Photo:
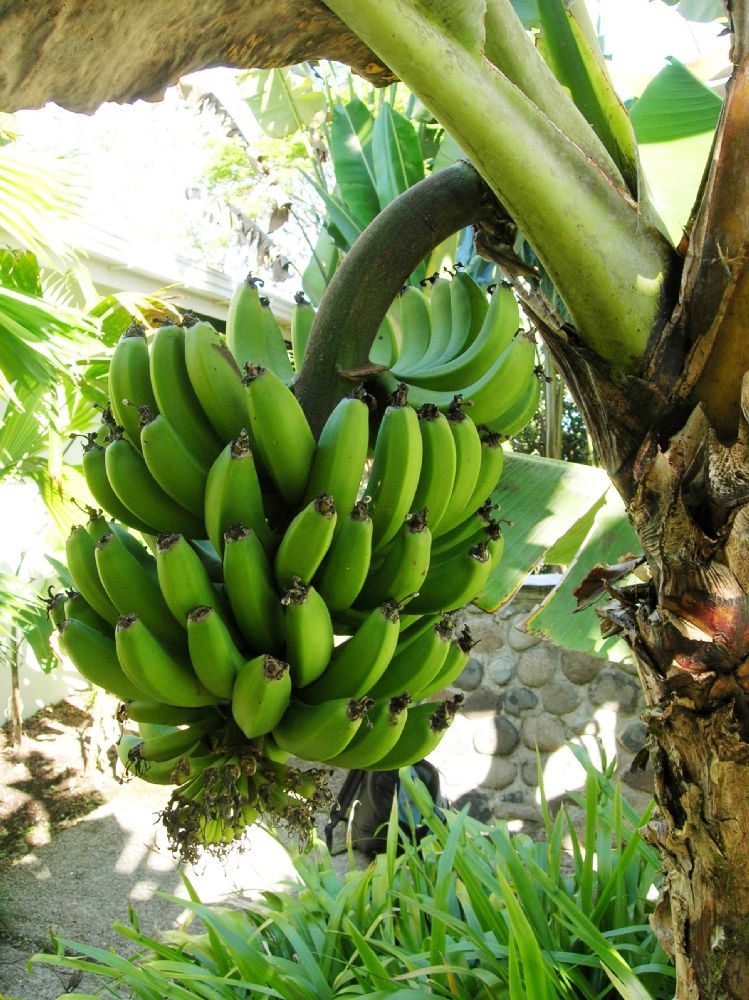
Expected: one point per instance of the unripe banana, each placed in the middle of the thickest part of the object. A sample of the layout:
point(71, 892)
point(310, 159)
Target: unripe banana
point(466, 533)
point(319, 732)
point(80, 553)
point(454, 665)
point(248, 576)
point(308, 631)
point(404, 566)
point(142, 709)
point(359, 662)
point(130, 381)
point(455, 582)
point(216, 380)
point(261, 695)
point(75, 605)
point(95, 474)
point(178, 742)
point(175, 396)
point(233, 495)
point(97, 526)
point(425, 726)
point(467, 466)
point(468, 307)
point(276, 352)
point(56, 606)
point(415, 324)
point(514, 418)
point(305, 542)
point(133, 590)
point(152, 668)
point(175, 771)
point(172, 462)
point(395, 469)
point(387, 720)
point(184, 580)
point(438, 464)
point(252, 334)
point(441, 318)
point(413, 667)
point(140, 493)
point(214, 655)
point(492, 462)
point(282, 436)
point(302, 318)
point(338, 462)
point(344, 569)
point(95, 658)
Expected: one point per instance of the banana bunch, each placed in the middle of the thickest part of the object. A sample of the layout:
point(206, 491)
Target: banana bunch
point(252, 593)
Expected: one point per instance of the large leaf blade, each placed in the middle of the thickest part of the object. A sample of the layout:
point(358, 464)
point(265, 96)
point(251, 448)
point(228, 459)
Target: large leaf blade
point(351, 131)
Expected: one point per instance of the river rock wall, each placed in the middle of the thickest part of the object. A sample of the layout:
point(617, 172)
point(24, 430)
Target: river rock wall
point(524, 694)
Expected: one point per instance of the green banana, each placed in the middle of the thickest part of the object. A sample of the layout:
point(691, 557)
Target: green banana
point(308, 632)
point(216, 380)
point(213, 652)
point(177, 770)
point(491, 395)
point(340, 454)
point(466, 533)
point(248, 576)
point(344, 569)
point(305, 542)
point(492, 462)
point(441, 326)
point(438, 463)
point(415, 322)
point(500, 323)
point(302, 318)
point(249, 336)
point(385, 346)
point(404, 565)
point(134, 590)
point(56, 606)
point(515, 418)
point(455, 582)
point(95, 474)
point(80, 555)
point(76, 606)
point(454, 665)
point(130, 381)
point(276, 351)
point(172, 462)
point(387, 719)
point(139, 491)
point(319, 732)
point(468, 307)
point(358, 663)
point(156, 671)
point(184, 580)
point(425, 726)
point(175, 396)
point(282, 436)
point(142, 709)
point(395, 469)
point(233, 495)
point(165, 746)
point(413, 667)
point(95, 658)
point(262, 691)
point(467, 465)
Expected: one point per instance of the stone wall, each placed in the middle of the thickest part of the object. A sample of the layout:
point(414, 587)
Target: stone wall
point(521, 693)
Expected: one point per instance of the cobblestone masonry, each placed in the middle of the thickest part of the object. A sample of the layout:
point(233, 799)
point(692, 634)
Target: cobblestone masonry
point(523, 693)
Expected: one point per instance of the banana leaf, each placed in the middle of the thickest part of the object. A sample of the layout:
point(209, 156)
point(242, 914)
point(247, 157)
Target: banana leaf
point(674, 121)
point(351, 131)
point(282, 102)
point(610, 538)
point(543, 499)
point(396, 153)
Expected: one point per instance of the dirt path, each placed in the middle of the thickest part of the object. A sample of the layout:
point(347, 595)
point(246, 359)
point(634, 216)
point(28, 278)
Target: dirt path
point(77, 849)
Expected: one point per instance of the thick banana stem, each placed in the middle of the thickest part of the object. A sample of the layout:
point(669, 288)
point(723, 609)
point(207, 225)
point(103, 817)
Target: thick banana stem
point(374, 270)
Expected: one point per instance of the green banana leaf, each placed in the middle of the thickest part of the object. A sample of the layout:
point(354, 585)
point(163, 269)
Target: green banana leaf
point(674, 121)
point(544, 499)
point(576, 62)
point(701, 10)
point(321, 267)
point(282, 101)
point(610, 538)
point(351, 129)
point(396, 154)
